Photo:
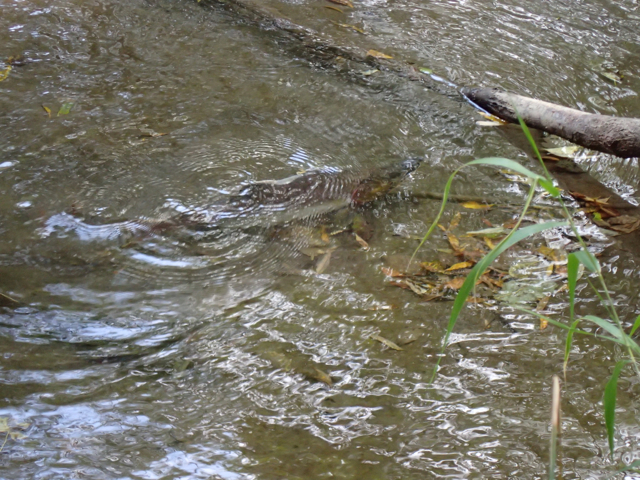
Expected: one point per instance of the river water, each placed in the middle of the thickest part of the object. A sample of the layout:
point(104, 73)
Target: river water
point(166, 358)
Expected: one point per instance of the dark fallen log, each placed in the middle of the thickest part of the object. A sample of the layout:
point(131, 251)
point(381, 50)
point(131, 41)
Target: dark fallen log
point(615, 135)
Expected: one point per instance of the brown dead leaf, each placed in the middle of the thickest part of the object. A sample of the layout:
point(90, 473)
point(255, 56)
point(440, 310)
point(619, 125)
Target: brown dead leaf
point(542, 303)
point(375, 53)
point(477, 300)
point(455, 283)
point(509, 224)
point(487, 223)
point(324, 236)
point(561, 270)
point(543, 323)
point(390, 272)
point(624, 223)
point(459, 266)
point(476, 205)
point(320, 376)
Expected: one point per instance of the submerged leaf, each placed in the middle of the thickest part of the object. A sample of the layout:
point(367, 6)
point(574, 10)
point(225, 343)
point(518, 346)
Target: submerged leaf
point(5, 73)
point(366, 73)
point(65, 108)
point(346, 3)
point(455, 221)
point(489, 232)
point(567, 152)
point(324, 261)
point(361, 241)
point(476, 205)
point(330, 7)
point(353, 27)
point(318, 375)
point(376, 54)
point(425, 70)
point(386, 342)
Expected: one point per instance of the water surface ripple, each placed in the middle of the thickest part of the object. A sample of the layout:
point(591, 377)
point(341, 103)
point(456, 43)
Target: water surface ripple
point(205, 353)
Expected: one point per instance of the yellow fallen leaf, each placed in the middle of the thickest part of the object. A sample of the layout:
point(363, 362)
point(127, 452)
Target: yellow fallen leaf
point(376, 54)
point(47, 109)
point(493, 118)
point(333, 8)
point(543, 323)
point(433, 267)
point(5, 73)
point(489, 243)
point(454, 242)
point(459, 266)
point(386, 342)
point(476, 205)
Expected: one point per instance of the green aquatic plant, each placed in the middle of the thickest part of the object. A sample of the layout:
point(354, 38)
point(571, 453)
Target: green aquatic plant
point(612, 327)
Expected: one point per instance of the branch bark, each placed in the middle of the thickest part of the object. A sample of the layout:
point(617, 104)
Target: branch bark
point(615, 135)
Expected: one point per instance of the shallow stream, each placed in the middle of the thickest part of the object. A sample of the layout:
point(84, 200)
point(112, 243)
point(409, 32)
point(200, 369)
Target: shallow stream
point(161, 358)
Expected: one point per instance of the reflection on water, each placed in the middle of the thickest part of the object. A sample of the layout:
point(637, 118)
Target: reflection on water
point(229, 353)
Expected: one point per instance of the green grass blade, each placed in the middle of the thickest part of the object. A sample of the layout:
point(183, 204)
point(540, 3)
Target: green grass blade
point(434, 224)
point(567, 347)
point(632, 466)
point(482, 265)
point(493, 161)
point(509, 164)
point(527, 133)
point(572, 279)
point(588, 260)
point(609, 402)
point(636, 324)
point(605, 325)
point(555, 426)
